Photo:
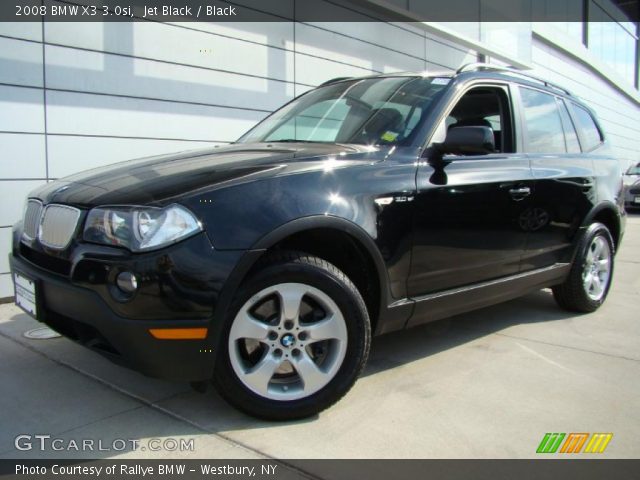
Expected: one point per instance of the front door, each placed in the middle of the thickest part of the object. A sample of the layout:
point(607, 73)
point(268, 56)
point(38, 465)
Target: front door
point(468, 215)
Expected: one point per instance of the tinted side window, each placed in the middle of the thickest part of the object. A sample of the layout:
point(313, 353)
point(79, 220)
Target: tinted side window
point(542, 122)
point(589, 132)
point(570, 136)
point(485, 106)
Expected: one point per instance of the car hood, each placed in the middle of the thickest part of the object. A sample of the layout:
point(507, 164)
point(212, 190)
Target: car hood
point(165, 178)
point(629, 180)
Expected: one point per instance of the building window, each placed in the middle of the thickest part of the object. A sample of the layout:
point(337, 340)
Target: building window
point(565, 15)
point(614, 42)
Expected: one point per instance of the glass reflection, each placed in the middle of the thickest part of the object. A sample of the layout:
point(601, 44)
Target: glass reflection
point(613, 42)
point(543, 124)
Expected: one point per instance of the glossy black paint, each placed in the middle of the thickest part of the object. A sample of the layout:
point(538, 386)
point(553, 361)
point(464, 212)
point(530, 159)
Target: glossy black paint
point(180, 281)
point(83, 315)
point(439, 233)
point(467, 230)
point(562, 196)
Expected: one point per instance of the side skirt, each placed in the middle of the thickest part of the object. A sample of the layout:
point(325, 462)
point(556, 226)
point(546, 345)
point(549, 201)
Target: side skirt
point(459, 300)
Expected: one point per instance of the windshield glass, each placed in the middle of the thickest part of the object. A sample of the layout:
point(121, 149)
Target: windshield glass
point(375, 111)
point(634, 170)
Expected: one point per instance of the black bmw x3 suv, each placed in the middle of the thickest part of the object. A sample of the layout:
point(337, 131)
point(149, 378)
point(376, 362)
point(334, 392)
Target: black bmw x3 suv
point(364, 206)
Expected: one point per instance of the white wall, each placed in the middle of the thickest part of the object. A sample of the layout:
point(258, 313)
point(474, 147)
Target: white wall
point(75, 96)
point(618, 114)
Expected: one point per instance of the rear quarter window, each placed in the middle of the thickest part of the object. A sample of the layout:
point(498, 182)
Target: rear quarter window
point(590, 135)
point(542, 121)
point(570, 135)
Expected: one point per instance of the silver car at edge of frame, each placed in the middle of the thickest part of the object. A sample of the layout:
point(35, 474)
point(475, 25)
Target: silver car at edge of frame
point(631, 181)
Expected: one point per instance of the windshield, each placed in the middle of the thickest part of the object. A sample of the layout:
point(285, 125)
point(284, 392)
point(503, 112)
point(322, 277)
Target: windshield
point(634, 170)
point(374, 111)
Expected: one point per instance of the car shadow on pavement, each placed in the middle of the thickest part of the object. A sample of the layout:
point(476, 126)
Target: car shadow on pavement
point(157, 409)
point(395, 349)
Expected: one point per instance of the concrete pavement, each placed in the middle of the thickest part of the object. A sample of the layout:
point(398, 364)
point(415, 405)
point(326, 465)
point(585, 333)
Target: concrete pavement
point(487, 384)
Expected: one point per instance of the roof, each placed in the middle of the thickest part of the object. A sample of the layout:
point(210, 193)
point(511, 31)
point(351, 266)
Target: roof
point(470, 68)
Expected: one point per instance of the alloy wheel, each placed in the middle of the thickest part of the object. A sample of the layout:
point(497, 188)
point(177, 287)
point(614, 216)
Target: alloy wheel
point(596, 272)
point(287, 341)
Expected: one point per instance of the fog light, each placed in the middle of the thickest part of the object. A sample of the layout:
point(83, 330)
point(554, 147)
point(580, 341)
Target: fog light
point(127, 282)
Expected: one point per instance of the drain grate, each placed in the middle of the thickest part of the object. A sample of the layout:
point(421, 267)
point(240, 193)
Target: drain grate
point(42, 333)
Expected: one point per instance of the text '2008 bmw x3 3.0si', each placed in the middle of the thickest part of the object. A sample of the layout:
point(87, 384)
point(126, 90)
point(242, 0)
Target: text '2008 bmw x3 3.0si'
point(364, 206)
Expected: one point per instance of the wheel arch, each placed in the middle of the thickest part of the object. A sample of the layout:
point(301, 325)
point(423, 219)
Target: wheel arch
point(608, 214)
point(285, 235)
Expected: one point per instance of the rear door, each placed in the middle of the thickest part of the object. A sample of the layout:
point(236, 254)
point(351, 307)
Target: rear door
point(467, 214)
point(564, 179)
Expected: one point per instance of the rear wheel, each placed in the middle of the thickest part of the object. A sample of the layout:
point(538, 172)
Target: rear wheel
point(589, 280)
point(296, 339)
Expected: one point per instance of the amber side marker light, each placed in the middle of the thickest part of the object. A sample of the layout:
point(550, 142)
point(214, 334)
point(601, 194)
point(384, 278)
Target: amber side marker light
point(179, 333)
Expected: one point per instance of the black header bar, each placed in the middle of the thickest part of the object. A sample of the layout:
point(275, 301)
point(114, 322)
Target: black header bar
point(584, 469)
point(310, 10)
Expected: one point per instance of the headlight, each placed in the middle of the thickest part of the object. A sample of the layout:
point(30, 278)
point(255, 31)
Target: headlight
point(140, 228)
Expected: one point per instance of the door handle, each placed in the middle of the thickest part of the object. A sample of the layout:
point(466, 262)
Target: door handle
point(520, 192)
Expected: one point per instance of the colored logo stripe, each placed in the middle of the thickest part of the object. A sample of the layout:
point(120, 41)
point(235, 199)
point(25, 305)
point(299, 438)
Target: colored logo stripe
point(574, 442)
point(598, 442)
point(550, 443)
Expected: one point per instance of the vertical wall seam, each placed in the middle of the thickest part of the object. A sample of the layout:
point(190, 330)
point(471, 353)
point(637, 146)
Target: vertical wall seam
point(44, 103)
point(295, 88)
point(424, 48)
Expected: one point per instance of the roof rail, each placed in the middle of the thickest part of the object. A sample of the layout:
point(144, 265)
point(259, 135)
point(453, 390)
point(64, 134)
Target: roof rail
point(334, 80)
point(514, 71)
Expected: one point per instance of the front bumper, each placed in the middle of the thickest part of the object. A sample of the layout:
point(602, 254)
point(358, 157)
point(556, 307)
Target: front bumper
point(629, 198)
point(180, 288)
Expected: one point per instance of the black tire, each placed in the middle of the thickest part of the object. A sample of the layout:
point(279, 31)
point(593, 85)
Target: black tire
point(571, 294)
point(284, 267)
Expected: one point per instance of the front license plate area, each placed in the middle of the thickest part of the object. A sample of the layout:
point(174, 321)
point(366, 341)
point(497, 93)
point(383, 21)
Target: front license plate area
point(636, 200)
point(26, 294)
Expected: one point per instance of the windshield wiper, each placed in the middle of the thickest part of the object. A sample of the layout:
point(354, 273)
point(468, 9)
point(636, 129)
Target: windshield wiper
point(293, 140)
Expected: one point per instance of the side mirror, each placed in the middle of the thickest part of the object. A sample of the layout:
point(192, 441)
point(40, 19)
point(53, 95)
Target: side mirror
point(468, 141)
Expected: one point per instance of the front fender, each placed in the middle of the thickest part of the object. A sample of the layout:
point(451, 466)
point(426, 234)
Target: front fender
point(251, 256)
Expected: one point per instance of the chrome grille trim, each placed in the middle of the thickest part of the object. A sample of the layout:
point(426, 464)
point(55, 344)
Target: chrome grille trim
point(58, 224)
point(32, 219)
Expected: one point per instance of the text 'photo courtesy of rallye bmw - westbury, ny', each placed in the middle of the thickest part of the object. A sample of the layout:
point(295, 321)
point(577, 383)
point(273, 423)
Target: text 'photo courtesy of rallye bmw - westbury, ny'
point(170, 470)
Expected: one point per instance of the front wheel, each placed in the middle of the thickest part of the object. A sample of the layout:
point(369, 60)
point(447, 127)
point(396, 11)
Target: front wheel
point(589, 280)
point(296, 340)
